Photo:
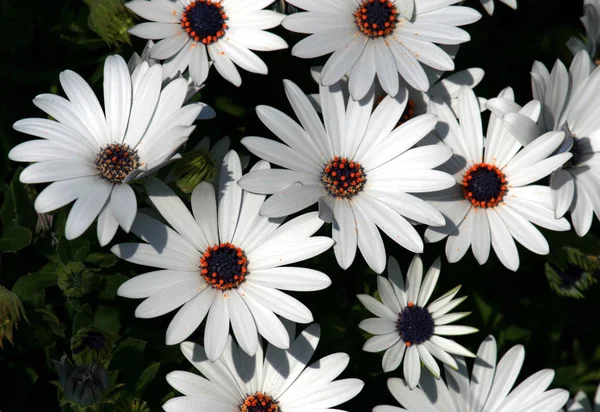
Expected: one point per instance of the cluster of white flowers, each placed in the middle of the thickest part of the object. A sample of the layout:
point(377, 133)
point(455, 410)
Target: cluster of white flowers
point(386, 144)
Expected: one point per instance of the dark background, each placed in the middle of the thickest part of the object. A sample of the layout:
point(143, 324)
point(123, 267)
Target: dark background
point(42, 37)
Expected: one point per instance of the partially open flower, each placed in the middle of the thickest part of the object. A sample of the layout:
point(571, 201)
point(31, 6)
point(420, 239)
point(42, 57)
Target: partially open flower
point(84, 384)
point(571, 272)
point(11, 310)
point(91, 345)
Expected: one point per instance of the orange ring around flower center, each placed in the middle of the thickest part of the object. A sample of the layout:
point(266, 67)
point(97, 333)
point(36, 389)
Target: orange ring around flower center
point(484, 185)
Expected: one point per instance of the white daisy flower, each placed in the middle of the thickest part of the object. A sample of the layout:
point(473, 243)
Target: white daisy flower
point(379, 37)
point(406, 328)
point(488, 5)
point(571, 103)
point(493, 200)
point(92, 157)
point(445, 89)
point(223, 30)
point(591, 22)
point(224, 261)
point(357, 167)
point(581, 403)
point(274, 380)
point(488, 389)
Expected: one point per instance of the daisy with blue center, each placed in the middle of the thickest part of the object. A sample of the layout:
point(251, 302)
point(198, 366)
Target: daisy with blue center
point(387, 39)
point(409, 329)
point(195, 33)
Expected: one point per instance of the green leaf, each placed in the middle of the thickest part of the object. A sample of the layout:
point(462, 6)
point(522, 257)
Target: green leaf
point(15, 238)
point(129, 350)
point(23, 205)
point(111, 284)
point(105, 260)
point(228, 105)
point(30, 288)
point(82, 319)
point(108, 319)
point(146, 377)
point(127, 357)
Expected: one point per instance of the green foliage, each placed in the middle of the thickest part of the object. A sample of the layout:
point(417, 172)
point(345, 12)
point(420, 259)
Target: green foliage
point(17, 216)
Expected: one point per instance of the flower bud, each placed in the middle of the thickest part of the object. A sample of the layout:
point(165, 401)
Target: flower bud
point(194, 168)
point(11, 310)
point(110, 20)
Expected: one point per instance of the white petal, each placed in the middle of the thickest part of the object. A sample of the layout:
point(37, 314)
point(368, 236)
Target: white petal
point(523, 231)
point(175, 212)
point(196, 403)
point(86, 209)
point(230, 196)
point(291, 200)
point(502, 241)
point(243, 57)
point(148, 284)
point(170, 298)
point(204, 208)
point(143, 105)
point(429, 283)
point(369, 240)
point(268, 325)
point(257, 39)
point(412, 366)
point(242, 323)
point(190, 316)
point(377, 308)
point(156, 11)
point(280, 303)
point(377, 326)
point(224, 65)
point(58, 169)
point(392, 224)
point(217, 328)
point(107, 226)
point(83, 98)
point(123, 205)
point(563, 192)
point(155, 31)
point(117, 96)
point(147, 255)
point(408, 66)
point(381, 342)
point(291, 134)
point(393, 357)
point(342, 60)
point(279, 154)
point(290, 278)
point(321, 397)
point(61, 193)
point(387, 72)
point(344, 234)
point(480, 236)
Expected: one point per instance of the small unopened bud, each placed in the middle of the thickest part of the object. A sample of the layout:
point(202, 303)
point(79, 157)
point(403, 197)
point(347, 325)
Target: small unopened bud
point(75, 280)
point(194, 168)
point(110, 20)
point(91, 345)
point(44, 223)
point(11, 310)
